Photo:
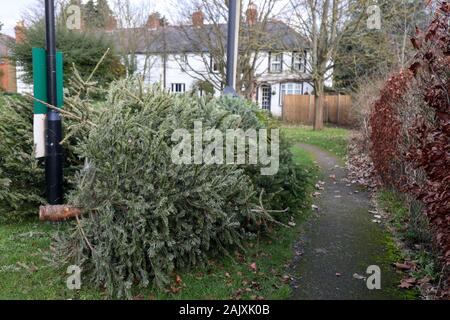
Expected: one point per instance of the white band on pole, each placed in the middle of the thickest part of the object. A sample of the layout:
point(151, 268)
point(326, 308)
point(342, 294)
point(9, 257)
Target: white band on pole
point(39, 126)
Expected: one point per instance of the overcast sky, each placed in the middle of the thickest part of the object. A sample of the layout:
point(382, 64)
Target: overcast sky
point(13, 10)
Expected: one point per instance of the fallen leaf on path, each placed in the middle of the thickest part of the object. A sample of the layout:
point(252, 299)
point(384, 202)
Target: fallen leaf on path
point(359, 277)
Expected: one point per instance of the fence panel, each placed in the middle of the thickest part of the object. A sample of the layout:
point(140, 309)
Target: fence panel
point(300, 109)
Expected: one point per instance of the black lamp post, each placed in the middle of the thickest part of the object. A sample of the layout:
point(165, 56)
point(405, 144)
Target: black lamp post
point(234, 16)
point(54, 158)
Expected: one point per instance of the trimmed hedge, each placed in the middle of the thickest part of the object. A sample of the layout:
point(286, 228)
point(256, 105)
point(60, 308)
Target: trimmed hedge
point(410, 128)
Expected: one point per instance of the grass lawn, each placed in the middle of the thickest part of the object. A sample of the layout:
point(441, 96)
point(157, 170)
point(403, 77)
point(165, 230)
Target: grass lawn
point(26, 274)
point(332, 139)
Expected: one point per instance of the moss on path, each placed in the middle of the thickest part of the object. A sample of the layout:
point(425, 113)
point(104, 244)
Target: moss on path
point(342, 240)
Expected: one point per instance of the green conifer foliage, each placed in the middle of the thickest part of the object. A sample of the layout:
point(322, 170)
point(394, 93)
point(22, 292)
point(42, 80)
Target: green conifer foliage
point(146, 216)
point(21, 176)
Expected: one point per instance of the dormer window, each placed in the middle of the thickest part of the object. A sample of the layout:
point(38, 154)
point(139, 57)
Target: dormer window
point(276, 62)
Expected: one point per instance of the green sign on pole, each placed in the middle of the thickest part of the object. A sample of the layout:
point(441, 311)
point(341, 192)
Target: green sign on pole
point(40, 79)
point(40, 92)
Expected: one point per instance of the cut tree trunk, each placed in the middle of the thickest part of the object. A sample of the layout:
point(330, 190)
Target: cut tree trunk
point(58, 213)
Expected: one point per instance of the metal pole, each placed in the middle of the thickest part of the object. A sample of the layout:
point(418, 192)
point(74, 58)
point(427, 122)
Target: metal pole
point(54, 159)
point(234, 15)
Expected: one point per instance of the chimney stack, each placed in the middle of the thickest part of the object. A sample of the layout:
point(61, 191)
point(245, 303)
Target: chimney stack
point(20, 32)
point(154, 21)
point(252, 14)
point(198, 18)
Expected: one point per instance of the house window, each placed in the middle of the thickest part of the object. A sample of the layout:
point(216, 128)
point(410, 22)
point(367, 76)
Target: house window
point(178, 87)
point(290, 88)
point(298, 62)
point(276, 62)
point(214, 65)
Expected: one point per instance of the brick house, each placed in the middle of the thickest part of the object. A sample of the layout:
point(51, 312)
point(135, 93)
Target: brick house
point(8, 80)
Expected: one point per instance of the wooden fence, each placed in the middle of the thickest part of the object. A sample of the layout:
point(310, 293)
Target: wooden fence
point(300, 109)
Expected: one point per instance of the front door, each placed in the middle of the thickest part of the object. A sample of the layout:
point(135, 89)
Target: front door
point(266, 96)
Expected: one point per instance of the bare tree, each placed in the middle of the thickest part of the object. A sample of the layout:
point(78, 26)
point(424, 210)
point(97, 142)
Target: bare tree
point(400, 19)
point(324, 23)
point(135, 36)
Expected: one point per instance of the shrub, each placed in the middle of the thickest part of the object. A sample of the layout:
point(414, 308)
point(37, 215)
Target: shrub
point(430, 150)
point(410, 128)
point(146, 216)
point(83, 50)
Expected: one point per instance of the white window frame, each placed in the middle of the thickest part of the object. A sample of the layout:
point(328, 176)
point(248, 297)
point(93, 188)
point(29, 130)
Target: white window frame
point(178, 87)
point(298, 61)
point(290, 88)
point(276, 62)
point(214, 66)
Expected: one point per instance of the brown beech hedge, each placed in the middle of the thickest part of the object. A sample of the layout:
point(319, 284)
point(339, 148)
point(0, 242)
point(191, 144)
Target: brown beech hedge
point(410, 127)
